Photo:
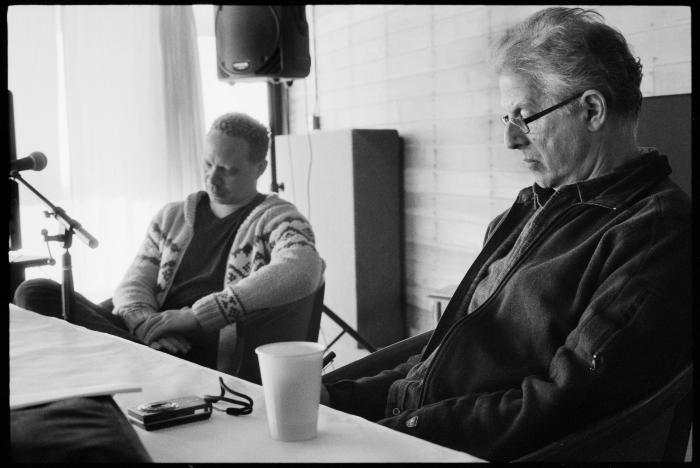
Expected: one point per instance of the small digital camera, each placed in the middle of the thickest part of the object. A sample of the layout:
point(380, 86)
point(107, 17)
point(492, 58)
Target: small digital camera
point(168, 413)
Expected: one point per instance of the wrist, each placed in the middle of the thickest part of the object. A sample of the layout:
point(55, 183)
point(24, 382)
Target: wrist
point(194, 323)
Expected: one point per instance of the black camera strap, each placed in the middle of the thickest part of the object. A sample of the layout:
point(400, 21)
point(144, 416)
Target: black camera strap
point(241, 408)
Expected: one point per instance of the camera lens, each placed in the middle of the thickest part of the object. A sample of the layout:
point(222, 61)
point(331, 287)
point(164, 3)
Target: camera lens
point(158, 406)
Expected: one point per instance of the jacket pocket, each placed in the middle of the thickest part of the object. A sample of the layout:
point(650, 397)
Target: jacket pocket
point(600, 331)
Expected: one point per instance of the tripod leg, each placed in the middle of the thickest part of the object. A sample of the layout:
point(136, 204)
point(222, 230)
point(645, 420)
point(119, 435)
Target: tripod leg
point(359, 338)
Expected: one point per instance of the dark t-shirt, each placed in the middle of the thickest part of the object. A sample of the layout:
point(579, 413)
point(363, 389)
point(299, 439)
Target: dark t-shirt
point(203, 265)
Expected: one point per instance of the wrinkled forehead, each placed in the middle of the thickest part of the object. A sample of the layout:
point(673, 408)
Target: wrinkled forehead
point(517, 91)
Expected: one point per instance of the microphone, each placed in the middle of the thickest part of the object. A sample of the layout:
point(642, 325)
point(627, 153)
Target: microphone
point(36, 162)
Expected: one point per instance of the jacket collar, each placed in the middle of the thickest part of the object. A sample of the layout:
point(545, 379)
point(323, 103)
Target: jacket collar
point(613, 189)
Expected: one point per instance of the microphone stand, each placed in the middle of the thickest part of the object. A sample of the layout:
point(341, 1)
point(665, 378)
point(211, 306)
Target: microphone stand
point(69, 228)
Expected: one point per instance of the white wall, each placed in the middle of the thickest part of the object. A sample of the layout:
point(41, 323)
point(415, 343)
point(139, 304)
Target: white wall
point(421, 69)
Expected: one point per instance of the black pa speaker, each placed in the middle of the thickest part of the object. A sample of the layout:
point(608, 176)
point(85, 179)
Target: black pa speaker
point(261, 41)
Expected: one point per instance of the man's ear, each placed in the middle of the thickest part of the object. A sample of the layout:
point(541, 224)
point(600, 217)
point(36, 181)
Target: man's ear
point(262, 165)
point(596, 108)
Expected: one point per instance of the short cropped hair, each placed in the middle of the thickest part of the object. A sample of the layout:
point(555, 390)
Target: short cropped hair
point(239, 125)
point(564, 50)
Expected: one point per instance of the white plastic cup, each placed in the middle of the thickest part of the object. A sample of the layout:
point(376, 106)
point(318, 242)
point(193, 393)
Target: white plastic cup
point(291, 379)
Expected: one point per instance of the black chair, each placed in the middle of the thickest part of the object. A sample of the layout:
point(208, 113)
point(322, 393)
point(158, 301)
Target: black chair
point(654, 429)
point(296, 321)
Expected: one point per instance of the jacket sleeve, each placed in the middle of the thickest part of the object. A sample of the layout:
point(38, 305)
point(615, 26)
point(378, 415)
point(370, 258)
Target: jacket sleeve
point(294, 271)
point(135, 296)
point(633, 335)
point(367, 396)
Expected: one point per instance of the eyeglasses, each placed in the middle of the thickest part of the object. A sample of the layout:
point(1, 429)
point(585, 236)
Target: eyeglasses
point(521, 123)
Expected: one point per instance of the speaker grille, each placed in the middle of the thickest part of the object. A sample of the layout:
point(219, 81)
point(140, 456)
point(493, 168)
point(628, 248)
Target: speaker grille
point(272, 66)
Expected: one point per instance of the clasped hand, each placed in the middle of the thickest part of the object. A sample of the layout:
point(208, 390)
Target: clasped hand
point(165, 329)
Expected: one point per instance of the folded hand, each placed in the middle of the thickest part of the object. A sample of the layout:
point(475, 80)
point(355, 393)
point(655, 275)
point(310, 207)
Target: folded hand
point(174, 344)
point(168, 322)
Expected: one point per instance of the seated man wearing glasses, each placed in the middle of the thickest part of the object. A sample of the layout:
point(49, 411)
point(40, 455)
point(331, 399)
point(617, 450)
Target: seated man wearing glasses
point(207, 261)
point(580, 301)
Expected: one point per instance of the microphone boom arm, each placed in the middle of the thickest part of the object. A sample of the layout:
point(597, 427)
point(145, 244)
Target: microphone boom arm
point(70, 227)
point(60, 214)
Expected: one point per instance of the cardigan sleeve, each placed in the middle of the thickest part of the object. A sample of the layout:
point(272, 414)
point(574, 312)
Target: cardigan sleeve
point(135, 296)
point(282, 265)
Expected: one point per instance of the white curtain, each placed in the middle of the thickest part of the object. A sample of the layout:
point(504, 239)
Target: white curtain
point(129, 122)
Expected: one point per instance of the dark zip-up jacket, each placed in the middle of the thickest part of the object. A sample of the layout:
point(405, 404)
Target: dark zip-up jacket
point(593, 314)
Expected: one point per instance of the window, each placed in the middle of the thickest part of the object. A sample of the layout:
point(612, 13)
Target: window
point(95, 109)
point(220, 97)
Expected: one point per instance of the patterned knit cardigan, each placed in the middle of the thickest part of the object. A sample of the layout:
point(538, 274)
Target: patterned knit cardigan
point(272, 261)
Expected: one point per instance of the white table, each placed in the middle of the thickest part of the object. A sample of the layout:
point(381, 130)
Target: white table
point(48, 354)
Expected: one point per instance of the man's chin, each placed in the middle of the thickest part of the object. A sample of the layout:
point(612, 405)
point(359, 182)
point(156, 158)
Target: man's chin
point(533, 164)
point(219, 199)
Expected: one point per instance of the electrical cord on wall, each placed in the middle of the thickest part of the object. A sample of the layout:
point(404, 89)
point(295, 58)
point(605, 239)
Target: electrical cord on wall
point(316, 119)
point(308, 139)
point(291, 167)
point(308, 175)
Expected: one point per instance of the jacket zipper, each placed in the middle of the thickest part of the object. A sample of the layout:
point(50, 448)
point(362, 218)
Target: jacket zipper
point(508, 274)
point(601, 348)
point(469, 277)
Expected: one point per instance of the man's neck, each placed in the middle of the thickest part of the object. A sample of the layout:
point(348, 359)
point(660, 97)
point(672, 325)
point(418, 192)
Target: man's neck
point(221, 210)
point(621, 152)
point(612, 150)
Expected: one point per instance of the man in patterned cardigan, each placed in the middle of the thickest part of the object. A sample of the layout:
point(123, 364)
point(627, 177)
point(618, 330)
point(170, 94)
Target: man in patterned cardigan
point(207, 261)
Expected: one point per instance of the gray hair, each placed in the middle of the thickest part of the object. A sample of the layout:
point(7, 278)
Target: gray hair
point(239, 125)
point(564, 50)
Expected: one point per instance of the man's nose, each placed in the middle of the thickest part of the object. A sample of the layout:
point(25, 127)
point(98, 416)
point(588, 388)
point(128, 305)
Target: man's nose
point(513, 137)
point(214, 173)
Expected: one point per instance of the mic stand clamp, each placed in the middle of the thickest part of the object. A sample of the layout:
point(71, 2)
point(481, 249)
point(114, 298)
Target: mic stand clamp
point(67, 288)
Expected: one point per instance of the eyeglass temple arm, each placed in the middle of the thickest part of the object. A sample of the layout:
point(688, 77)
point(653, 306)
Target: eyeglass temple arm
point(550, 109)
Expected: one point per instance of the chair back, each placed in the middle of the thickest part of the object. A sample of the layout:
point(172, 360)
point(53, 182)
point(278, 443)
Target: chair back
point(297, 321)
point(654, 429)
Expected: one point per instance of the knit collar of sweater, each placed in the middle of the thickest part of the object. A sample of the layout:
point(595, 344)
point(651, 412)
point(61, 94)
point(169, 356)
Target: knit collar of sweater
point(192, 200)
